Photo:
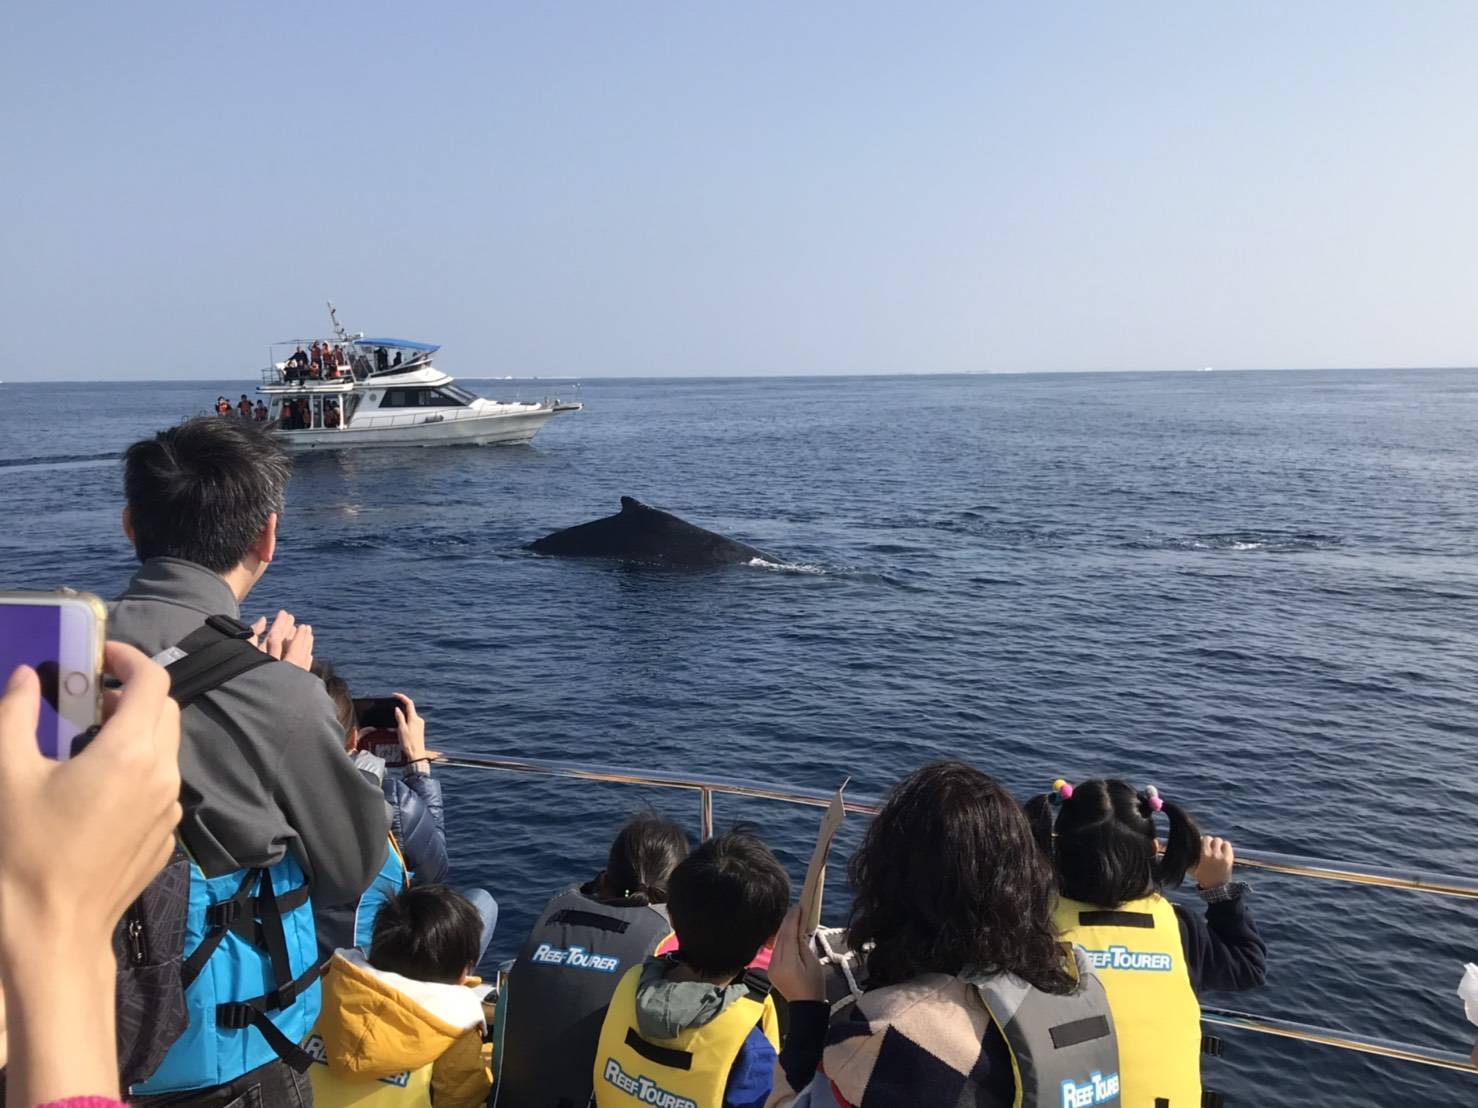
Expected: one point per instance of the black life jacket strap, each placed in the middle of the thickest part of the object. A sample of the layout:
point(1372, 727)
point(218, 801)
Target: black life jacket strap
point(663, 1055)
point(1101, 917)
point(214, 653)
point(219, 918)
point(574, 917)
point(1080, 1031)
point(246, 1014)
point(253, 1013)
point(274, 937)
point(758, 983)
point(1212, 1099)
point(1212, 1045)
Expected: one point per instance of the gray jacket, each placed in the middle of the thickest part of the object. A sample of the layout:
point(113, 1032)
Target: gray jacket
point(262, 758)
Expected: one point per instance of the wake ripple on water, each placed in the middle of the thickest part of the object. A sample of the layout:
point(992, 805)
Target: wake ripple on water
point(47, 460)
point(788, 567)
point(1265, 542)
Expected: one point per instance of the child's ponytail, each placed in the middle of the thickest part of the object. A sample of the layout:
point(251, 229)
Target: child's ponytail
point(1039, 814)
point(1182, 845)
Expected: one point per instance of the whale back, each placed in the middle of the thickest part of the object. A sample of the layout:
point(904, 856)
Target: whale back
point(641, 533)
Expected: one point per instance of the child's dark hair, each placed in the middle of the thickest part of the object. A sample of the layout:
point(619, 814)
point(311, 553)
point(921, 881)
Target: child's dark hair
point(726, 900)
point(644, 854)
point(1103, 842)
point(427, 933)
point(948, 877)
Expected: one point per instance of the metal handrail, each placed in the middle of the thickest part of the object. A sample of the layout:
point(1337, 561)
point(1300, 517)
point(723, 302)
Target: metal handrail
point(1291, 864)
point(1344, 1040)
point(707, 786)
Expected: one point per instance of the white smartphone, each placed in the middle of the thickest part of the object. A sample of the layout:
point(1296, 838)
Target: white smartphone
point(60, 635)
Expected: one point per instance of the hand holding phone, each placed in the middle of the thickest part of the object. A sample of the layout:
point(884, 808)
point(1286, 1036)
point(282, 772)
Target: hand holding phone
point(412, 729)
point(78, 841)
point(59, 635)
point(377, 715)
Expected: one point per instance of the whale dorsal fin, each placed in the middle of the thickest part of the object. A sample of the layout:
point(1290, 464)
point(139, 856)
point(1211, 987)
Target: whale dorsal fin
point(632, 504)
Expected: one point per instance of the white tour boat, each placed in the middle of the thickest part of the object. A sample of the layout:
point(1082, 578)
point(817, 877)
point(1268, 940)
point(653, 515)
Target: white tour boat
point(353, 391)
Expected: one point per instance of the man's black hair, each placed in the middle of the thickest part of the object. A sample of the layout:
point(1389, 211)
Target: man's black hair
point(726, 900)
point(202, 491)
point(427, 933)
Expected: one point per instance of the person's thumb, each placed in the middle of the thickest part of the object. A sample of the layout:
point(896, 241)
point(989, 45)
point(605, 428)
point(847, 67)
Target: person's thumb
point(20, 709)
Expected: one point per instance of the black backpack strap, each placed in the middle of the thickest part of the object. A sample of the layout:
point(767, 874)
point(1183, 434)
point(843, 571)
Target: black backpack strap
point(214, 653)
point(757, 981)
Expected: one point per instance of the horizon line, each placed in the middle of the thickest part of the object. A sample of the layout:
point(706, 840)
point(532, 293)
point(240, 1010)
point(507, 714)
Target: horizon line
point(796, 376)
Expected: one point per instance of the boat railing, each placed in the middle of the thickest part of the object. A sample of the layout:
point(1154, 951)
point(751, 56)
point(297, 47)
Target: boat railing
point(277, 377)
point(706, 787)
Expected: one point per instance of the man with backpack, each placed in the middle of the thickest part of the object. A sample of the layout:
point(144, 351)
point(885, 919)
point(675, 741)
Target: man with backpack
point(275, 817)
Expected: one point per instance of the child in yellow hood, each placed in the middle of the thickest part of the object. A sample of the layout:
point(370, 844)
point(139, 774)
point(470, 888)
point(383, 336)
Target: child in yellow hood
point(402, 1027)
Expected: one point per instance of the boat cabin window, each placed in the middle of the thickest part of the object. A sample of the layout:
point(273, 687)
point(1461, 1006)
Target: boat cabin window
point(425, 398)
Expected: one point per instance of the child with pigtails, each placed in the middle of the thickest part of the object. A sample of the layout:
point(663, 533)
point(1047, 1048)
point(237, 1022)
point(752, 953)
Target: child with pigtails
point(1153, 956)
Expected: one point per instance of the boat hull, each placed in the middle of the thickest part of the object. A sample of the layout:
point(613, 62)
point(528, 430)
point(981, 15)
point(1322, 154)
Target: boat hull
point(499, 429)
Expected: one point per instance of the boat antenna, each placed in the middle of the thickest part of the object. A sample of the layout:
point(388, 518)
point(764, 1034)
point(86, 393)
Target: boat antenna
point(339, 332)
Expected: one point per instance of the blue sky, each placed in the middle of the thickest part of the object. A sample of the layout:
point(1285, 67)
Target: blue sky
point(643, 188)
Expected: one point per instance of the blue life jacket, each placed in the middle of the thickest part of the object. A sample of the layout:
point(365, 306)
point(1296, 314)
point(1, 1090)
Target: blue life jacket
point(251, 977)
point(250, 963)
point(390, 882)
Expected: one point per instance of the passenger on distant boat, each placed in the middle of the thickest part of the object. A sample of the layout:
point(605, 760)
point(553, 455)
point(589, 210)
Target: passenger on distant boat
point(296, 367)
point(223, 406)
point(382, 359)
point(260, 414)
point(243, 407)
point(1152, 956)
point(396, 362)
point(331, 414)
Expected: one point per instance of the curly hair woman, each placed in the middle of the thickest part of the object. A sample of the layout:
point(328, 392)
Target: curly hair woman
point(967, 985)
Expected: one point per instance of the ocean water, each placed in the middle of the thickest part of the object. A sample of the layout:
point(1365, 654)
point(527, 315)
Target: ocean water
point(1257, 591)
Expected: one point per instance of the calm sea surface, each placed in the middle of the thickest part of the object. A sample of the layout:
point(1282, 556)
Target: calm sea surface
point(1257, 591)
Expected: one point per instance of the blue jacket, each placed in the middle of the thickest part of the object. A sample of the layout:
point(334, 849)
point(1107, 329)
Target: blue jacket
point(753, 1072)
point(418, 823)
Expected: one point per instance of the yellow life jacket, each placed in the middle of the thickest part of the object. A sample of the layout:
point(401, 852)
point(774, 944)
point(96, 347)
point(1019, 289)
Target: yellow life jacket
point(1137, 953)
point(690, 1071)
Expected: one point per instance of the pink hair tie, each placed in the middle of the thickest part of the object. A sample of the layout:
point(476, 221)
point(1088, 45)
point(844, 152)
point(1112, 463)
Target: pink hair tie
point(1063, 790)
point(1152, 798)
